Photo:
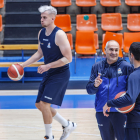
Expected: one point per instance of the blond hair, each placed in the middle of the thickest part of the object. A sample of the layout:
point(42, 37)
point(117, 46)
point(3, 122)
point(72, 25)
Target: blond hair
point(50, 9)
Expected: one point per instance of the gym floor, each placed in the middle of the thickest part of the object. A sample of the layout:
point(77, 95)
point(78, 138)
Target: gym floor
point(19, 119)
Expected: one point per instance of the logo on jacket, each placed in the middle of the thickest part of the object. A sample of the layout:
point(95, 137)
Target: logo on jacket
point(119, 71)
point(49, 45)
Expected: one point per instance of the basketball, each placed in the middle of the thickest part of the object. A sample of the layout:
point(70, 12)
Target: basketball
point(126, 109)
point(15, 72)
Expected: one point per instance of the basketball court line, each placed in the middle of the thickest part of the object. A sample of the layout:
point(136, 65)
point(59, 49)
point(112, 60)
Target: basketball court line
point(52, 129)
point(35, 92)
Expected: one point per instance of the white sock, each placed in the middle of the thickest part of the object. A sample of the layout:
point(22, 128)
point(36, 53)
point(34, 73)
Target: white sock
point(60, 119)
point(48, 129)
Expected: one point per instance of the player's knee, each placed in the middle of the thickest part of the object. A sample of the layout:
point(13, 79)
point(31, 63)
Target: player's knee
point(37, 105)
point(44, 105)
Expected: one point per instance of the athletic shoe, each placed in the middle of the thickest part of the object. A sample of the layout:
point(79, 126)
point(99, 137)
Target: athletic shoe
point(47, 138)
point(67, 130)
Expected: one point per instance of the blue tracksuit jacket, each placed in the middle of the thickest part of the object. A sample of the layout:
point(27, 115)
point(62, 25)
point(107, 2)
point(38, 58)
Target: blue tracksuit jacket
point(114, 78)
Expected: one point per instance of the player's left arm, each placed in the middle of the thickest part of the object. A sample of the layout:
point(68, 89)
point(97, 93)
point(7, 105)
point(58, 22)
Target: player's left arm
point(61, 40)
point(130, 96)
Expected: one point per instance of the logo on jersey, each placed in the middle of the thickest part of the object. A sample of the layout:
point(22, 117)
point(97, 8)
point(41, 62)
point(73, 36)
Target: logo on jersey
point(119, 71)
point(41, 43)
point(45, 39)
point(49, 45)
point(47, 97)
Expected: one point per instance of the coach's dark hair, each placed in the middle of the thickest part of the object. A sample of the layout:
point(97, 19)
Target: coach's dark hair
point(135, 50)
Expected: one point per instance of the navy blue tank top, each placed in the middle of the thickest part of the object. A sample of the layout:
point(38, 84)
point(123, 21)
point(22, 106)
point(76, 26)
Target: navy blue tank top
point(50, 50)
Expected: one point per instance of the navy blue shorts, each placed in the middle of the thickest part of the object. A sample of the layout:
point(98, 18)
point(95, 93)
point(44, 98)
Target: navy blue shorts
point(53, 87)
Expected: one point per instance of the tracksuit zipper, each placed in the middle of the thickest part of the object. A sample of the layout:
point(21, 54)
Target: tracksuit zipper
point(108, 86)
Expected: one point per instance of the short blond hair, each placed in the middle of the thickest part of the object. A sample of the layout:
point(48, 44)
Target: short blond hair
point(51, 9)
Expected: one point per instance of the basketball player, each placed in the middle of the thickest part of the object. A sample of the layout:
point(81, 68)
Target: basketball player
point(132, 131)
point(55, 47)
point(109, 77)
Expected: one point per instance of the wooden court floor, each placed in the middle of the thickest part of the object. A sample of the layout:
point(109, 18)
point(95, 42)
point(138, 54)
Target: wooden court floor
point(27, 124)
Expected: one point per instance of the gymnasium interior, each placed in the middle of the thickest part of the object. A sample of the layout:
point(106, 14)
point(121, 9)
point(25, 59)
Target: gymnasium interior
point(86, 23)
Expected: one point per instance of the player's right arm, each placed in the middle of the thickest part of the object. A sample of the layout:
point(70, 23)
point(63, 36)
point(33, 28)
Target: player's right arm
point(35, 57)
point(94, 82)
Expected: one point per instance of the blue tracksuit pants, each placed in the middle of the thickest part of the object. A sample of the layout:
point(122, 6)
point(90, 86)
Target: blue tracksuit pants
point(132, 134)
point(112, 126)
